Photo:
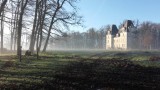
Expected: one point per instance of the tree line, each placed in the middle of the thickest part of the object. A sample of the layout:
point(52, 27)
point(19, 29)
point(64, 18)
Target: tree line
point(91, 39)
point(36, 21)
point(147, 36)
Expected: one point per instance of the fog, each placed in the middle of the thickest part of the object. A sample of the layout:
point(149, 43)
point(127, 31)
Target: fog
point(146, 36)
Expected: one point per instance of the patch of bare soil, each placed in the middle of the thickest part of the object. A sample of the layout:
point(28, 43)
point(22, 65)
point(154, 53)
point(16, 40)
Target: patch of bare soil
point(108, 74)
point(99, 55)
point(154, 58)
point(7, 57)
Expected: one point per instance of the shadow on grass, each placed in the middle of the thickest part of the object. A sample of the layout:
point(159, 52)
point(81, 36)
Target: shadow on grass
point(81, 74)
point(104, 75)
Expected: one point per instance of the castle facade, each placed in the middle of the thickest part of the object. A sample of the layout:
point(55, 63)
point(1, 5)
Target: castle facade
point(123, 38)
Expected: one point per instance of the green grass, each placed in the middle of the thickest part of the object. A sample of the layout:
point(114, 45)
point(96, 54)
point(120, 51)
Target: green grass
point(68, 66)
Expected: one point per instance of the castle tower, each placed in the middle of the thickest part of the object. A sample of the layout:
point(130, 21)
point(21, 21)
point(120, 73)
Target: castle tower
point(111, 33)
point(131, 43)
point(127, 35)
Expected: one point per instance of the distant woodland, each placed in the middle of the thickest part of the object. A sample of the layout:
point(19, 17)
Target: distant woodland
point(147, 36)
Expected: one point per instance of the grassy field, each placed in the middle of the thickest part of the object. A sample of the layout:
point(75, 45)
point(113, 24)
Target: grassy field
point(82, 70)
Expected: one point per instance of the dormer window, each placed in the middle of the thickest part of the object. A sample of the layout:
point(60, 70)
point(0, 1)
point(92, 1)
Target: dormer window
point(109, 32)
point(116, 35)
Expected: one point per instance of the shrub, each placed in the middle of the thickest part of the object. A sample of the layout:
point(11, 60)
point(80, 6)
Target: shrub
point(154, 58)
point(8, 64)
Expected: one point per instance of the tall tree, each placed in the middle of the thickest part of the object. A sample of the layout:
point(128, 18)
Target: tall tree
point(43, 15)
point(2, 29)
point(2, 21)
point(60, 15)
point(23, 6)
point(2, 6)
point(33, 37)
point(58, 7)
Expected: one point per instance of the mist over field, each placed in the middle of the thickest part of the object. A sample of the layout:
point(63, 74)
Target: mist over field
point(146, 37)
point(79, 45)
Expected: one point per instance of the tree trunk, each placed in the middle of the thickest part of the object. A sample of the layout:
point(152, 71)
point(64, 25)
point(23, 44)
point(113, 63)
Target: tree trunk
point(2, 28)
point(16, 19)
point(49, 32)
point(2, 6)
point(40, 41)
point(42, 22)
point(20, 28)
point(12, 30)
point(32, 41)
point(37, 46)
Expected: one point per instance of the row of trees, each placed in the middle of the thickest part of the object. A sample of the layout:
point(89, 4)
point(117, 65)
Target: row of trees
point(38, 20)
point(92, 39)
point(147, 36)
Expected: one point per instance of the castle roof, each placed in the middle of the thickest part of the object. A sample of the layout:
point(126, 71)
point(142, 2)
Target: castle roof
point(113, 29)
point(126, 27)
point(128, 23)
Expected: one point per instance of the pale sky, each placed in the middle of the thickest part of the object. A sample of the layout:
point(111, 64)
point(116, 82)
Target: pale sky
point(98, 13)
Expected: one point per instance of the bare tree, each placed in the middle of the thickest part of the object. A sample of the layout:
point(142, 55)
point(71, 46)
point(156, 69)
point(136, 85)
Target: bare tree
point(2, 6)
point(2, 21)
point(60, 15)
point(23, 6)
point(33, 37)
point(2, 29)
